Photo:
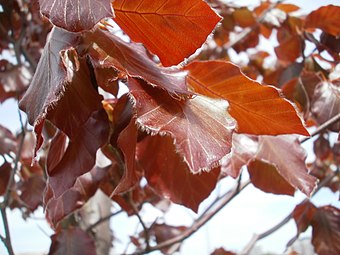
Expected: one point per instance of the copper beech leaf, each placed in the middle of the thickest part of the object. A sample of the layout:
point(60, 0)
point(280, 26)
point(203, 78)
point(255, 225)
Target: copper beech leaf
point(166, 172)
point(61, 84)
point(127, 141)
point(91, 136)
point(257, 109)
point(326, 103)
point(83, 189)
point(72, 241)
point(76, 16)
point(325, 18)
point(108, 50)
point(172, 29)
point(5, 174)
point(325, 222)
point(243, 149)
point(8, 142)
point(285, 153)
point(265, 177)
point(32, 191)
point(200, 127)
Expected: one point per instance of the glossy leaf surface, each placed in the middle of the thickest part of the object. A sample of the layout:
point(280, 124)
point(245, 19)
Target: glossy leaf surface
point(257, 109)
point(76, 16)
point(132, 60)
point(165, 26)
point(200, 127)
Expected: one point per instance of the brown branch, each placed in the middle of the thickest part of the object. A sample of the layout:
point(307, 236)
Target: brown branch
point(322, 127)
point(7, 239)
point(284, 221)
point(102, 220)
point(201, 221)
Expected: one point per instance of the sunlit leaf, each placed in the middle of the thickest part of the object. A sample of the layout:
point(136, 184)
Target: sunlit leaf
point(325, 18)
point(165, 26)
point(285, 153)
point(131, 59)
point(326, 103)
point(257, 109)
point(76, 16)
point(166, 172)
point(200, 127)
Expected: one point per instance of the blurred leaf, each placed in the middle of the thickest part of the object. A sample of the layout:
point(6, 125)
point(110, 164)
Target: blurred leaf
point(326, 103)
point(325, 18)
point(72, 241)
point(5, 174)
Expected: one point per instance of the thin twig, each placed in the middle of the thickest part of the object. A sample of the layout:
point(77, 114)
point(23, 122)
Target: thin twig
point(7, 240)
point(102, 220)
point(322, 127)
point(284, 221)
point(199, 222)
point(145, 228)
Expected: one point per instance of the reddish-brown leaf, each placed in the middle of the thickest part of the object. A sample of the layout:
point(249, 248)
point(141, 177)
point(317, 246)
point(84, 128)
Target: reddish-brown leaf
point(325, 18)
point(76, 16)
point(257, 109)
point(7, 141)
point(243, 149)
point(32, 191)
point(5, 173)
point(83, 189)
point(326, 103)
point(131, 59)
point(172, 29)
point(222, 251)
point(289, 49)
point(61, 84)
point(326, 231)
point(166, 172)
point(163, 232)
point(287, 8)
point(266, 177)
point(200, 127)
point(286, 154)
point(91, 136)
point(127, 142)
point(303, 215)
point(72, 241)
point(244, 17)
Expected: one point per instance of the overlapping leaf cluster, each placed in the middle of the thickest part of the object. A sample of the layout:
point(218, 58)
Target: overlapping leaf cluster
point(182, 125)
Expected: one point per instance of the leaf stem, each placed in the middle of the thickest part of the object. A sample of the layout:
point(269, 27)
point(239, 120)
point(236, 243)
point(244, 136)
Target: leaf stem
point(102, 220)
point(7, 239)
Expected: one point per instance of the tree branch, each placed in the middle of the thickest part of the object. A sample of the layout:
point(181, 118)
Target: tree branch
point(201, 221)
point(284, 221)
point(7, 239)
point(322, 127)
point(102, 220)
